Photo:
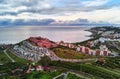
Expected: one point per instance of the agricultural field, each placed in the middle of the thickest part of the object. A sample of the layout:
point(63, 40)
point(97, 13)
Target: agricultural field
point(73, 76)
point(97, 71)
point(42, 75)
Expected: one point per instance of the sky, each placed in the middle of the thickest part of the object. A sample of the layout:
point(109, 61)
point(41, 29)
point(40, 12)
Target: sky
point(12, 11)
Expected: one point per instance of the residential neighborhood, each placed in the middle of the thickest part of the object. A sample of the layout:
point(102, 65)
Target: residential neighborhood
point(59, 39)
point(30, 52)
point(39, 55)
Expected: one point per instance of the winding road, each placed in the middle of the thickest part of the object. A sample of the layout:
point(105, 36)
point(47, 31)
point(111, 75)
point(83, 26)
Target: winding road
point(66, 74)
point(54, 57)
point(5, 51)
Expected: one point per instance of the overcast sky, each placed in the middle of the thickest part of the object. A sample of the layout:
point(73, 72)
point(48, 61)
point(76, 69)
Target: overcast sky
point(93, 10)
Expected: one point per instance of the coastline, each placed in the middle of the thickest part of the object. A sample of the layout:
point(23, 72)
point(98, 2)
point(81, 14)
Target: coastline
point(73, 34)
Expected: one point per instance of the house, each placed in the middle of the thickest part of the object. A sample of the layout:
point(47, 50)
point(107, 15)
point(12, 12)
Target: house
point(42, 42)
point(92, 52)
point(30, 52)
point(98, 52)
point(87, 50)
point(103, 48)
point(107, 33)
point(101, 60)
point(30, 70)
point(90, 44)
point(82, 49)
point(46, 68)
point(105, 53)
point(39, 68)
point(62, 43)
point(78, 49)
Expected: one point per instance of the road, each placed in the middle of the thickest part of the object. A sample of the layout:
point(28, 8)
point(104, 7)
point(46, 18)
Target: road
point(66, 74)
point(5, 51)
point(58, 76)
point(76, 72)
point(115, 45)
point(54, 57)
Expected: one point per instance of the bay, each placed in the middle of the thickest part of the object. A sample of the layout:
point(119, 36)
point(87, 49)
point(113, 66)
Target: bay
point(70, 34)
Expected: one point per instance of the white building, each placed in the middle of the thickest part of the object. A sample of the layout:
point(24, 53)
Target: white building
point(30, 52)
point(103, 48)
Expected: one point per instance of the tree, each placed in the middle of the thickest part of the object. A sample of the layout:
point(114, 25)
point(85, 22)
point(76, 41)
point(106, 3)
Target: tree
point(45, 61)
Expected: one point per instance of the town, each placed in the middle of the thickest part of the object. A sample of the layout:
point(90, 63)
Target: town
point(37, 55)
point(36, 47)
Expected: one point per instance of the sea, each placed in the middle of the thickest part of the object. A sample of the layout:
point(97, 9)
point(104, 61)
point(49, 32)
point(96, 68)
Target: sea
point(72, 34)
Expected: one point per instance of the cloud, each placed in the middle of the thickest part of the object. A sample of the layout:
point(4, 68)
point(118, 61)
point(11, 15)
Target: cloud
point(51, 6)
point(44, 22)
point(9, 22)
point(94, 10)
point(24, 6)
point(95, 3)
point(5, 22)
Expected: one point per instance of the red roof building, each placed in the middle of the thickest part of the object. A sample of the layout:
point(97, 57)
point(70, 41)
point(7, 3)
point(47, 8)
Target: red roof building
point(87, 50)
point(62, 43)
point(42, 42)
point(105, 53)
point(46, 68)
point(98, 53)
point(81, 49)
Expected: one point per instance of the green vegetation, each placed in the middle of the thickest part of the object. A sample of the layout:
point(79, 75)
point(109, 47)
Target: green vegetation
point(70, 54)
point(90, 69)
point(73, 76)
point(61, 77)
point(110, 69)
point(45, 61)
point(9, 67)
point(115, 49)
point(6, 76)
point(17, 59)
point(112, 63)
point(112, 48)
point(42, 75)
point(3, 57)
point(107, 28)
point(118, 43)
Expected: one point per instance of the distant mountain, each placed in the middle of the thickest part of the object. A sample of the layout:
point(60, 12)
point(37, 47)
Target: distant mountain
point(81, 22)
point(52, 22)
point(9, 22)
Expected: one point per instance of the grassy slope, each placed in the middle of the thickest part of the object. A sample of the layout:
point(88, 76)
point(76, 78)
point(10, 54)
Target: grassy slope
point(70, 54)
point(112, 48)
point(109, 70)
point(17, 59)
point(90, 69)
point(3, 57)
point(41, 75)
point(73, 76)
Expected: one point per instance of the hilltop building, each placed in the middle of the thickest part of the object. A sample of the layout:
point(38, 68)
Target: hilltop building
point(42, 42)
point(103, 51)
point(62, 43)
